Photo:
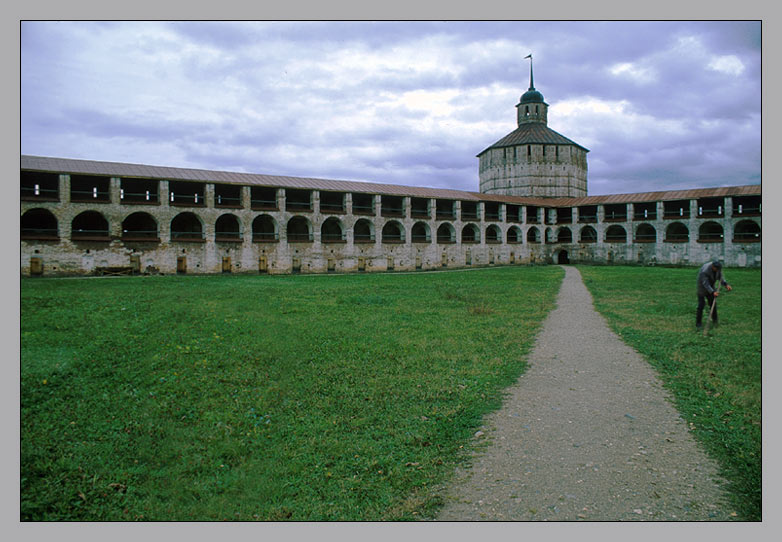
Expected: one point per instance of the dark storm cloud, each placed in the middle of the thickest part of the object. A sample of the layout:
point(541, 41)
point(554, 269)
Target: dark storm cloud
point(664, 104)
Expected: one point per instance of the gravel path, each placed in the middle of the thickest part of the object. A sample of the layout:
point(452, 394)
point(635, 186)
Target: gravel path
point(587, 433)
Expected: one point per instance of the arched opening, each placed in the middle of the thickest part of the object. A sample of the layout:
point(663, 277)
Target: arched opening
point(298, 230)
point(616, 234)
point(493, 234)
point(588, 234)
point(420, 233)
point(564, 235)
point(187, 227)
point(363, 231)
point(746, 231)
point(265, 229)
point(549, 233)
point(562, 257)
point(710, 232)
point(514, 235)
point(39, 224)
point(446, 234)
point(471, 234)
point(331, 231)
point(227, 228)
point(90, 226)
point(533, 235)
point(645, 233)
point(139, 227)
point(393, 232)
point(677, 233)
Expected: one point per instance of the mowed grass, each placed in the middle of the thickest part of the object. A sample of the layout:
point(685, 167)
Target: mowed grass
point(715, 379)
point(344, 397)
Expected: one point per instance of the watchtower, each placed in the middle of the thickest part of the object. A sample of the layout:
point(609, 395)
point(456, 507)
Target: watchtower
point(533, 160)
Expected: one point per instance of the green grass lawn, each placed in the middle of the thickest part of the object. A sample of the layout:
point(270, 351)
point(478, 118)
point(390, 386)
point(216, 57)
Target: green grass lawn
point(715, 380)
point(345, 397)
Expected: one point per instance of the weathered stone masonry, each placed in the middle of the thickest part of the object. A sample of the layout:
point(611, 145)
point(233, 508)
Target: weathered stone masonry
point(82, 217)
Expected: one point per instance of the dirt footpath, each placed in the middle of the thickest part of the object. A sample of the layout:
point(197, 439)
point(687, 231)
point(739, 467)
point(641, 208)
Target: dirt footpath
point(587, 433)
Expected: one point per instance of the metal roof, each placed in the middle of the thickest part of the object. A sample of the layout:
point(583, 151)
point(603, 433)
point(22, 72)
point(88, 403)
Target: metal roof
point(532, 133)
point(119, 169)
point(667, 195)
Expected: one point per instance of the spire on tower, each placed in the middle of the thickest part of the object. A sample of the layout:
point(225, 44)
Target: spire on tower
point(532, 96)
point(531, 85)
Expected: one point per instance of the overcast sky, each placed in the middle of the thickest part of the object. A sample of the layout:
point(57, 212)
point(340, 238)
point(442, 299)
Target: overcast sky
point(660, 105)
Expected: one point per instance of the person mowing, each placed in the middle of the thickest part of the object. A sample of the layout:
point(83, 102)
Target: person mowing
point(708, 276)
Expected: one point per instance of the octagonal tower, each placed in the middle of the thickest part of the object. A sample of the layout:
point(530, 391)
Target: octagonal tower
point(533, 160)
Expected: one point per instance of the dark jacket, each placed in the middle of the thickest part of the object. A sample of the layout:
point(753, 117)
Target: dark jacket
point(707, 278)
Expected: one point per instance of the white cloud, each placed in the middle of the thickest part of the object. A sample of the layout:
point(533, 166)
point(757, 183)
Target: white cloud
point(593, 121)
point(728, 64)
point(634, 72)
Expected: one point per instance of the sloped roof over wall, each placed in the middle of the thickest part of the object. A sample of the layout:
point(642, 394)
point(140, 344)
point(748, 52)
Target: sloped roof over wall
point(119, 169)
point(668, 195)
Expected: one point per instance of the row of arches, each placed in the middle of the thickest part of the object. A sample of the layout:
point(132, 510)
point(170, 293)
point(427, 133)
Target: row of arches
point(677, 232)
point(141, 226)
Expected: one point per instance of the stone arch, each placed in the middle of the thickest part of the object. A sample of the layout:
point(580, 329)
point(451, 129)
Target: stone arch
point(227, 228)
point(616, 234)
point(588, 234)
point(331, 231)
point(420, 233)
point(140, 226)
point(393, 232)
point(533, 235)
point(677, 232)
point(710, 232)
point(471, 234)
point(298, 229)
point(562, 257)
point(564, 235)
point(645, 233)
point(264, 229)
point(90, 225)
point(549, 233)
point(39, 224)
point(446, 233)
point(493, 234)
point(363, 231)
point(186, 227)
point(746, 231)
point(513, 236)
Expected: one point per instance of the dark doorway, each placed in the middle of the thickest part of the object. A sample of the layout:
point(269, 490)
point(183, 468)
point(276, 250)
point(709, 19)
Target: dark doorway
point(562, 258)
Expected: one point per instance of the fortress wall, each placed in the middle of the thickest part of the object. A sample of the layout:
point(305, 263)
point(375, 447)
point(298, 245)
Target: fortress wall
point(68, 255)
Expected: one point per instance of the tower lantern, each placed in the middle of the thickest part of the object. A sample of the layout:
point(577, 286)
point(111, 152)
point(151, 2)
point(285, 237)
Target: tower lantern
point(531, 107)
